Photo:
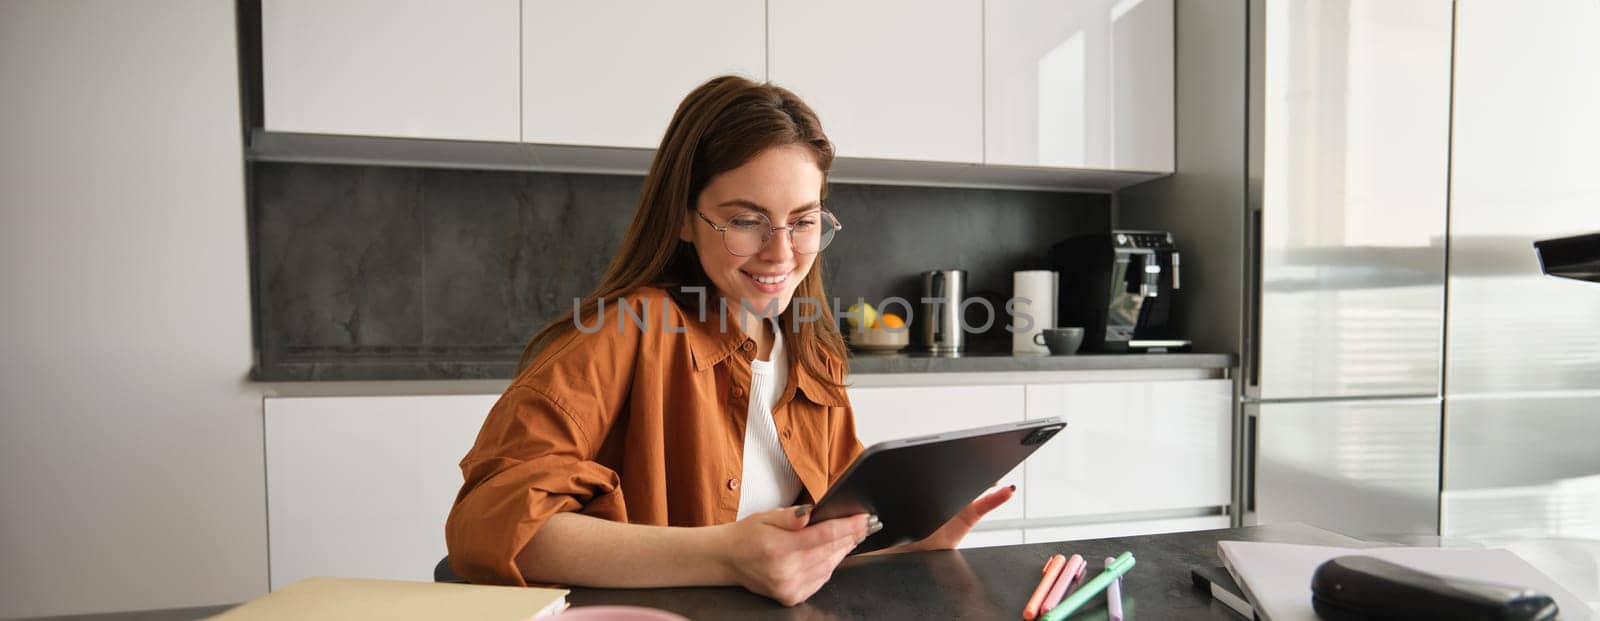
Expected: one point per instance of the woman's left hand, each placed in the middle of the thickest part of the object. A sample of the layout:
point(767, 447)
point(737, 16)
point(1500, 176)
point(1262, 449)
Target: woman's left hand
point(957, 528)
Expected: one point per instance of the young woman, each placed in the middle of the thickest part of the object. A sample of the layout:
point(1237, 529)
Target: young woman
point(675, 430)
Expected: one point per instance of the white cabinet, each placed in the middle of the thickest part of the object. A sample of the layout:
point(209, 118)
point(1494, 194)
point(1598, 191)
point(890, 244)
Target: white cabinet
point(891, 79)
point(421, 69)
point(991, 538)
point(1132, 528)
point(1131, 447)
point(361, 486)
point(1083, 84)
point(611, 73)
point(893, 413)
point(1054, 95)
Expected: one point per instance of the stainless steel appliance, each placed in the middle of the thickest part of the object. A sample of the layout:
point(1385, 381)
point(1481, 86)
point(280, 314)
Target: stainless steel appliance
point(1349, 151)
point(939, 323)
point(1351, 122)
point(1121, 288)
point(1522, 366)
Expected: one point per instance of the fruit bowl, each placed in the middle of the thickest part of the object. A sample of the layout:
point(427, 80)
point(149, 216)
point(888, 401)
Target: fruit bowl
point(879, 339)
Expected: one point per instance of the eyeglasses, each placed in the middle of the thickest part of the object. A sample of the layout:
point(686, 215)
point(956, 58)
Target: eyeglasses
point(747, 234)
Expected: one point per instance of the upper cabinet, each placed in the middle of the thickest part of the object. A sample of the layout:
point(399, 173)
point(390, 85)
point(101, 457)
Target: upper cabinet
point(1059, 95)
point(611, 73)
point(1081, 84)
point(421, 69)
point(890, 79)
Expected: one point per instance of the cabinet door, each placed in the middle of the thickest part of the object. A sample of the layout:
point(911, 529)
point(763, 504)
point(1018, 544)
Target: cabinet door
point(1355, 201)
point(1523, 366)
point(893, 79)
point(611, 73)
point(1132, 447)
point(991, 538)
point(1085, 84)
point(1130, 528)
point(420, 69)
point(901, 412)
point(1368, 469)
point(361, 486)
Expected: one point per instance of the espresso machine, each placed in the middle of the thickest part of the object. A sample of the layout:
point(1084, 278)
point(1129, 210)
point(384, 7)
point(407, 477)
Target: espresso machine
point(1121, 287)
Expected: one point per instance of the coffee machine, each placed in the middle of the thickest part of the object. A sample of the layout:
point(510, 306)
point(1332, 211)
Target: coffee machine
point(1121, 287)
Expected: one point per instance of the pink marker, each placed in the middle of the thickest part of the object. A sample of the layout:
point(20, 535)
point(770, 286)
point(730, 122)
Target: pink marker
point(1069, 576)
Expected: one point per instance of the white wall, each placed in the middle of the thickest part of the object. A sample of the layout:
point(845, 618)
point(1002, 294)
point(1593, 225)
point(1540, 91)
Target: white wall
point(131, 469)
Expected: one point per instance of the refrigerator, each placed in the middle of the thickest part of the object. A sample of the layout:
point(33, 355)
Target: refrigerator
point(1522, 370)
point(1348, 157)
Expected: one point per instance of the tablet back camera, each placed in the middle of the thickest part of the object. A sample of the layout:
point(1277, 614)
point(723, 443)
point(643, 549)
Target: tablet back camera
point(1040, 435)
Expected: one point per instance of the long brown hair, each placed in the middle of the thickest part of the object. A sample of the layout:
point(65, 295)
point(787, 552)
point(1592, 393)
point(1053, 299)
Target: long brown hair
point(718, 127)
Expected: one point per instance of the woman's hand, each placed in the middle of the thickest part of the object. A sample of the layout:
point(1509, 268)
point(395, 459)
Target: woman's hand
point(957, 528)
point(775, 554)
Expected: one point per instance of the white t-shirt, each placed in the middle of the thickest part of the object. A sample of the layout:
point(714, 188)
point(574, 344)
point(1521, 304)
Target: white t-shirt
point(768, 482)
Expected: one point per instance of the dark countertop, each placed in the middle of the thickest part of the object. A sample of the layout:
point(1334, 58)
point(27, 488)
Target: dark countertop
point(983, 583)
point(380, 368)
point(862, 363)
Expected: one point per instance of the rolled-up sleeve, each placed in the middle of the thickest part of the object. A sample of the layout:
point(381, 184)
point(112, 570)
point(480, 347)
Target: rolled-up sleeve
point(536, 454)
point(533, 459)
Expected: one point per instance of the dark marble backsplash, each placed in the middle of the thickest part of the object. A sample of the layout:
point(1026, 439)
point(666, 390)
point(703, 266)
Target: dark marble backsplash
point(369, 272)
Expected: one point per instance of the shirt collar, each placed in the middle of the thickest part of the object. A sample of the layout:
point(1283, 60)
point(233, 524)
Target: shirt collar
point(711, 340)
point(819, 392)
point(710, 344)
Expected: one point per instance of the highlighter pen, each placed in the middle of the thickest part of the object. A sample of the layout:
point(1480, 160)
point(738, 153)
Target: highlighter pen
point(1052, 568)
point(1113, 595)
point(1073, 602)
point(1069, 574)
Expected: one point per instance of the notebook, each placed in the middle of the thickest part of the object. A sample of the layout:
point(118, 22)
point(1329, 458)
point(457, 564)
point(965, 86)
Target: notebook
point(1276, 577)
point(1219, 583)
point(314, 599)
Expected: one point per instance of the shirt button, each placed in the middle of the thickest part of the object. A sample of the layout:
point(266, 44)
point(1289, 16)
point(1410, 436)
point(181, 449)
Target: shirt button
point(748, 346)
point(738, 393)
point(733, 484)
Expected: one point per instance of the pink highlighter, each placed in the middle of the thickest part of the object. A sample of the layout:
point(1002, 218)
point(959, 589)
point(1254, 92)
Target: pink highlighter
point(1070, 574)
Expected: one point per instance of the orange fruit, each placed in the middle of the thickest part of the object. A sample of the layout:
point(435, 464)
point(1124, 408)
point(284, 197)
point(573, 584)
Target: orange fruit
point(891, 321)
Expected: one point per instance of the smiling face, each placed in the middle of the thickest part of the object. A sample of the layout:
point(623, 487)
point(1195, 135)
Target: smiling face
point(785, 185)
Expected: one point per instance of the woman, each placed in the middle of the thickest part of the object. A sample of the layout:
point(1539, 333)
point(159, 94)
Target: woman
point(671, 433)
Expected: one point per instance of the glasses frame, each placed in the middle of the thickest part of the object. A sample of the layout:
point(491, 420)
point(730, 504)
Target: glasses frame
point(722, 231)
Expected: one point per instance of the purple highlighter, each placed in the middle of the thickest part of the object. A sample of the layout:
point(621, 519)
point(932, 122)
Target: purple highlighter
point(1114, 596)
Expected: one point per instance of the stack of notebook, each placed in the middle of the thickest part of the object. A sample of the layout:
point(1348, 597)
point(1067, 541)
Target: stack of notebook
point(314, 599)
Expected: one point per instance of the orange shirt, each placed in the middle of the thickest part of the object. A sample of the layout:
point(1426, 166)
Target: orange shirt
point(635, 425)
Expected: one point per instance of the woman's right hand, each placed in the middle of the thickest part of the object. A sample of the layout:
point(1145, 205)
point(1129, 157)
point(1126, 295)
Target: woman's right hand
point(776, 554)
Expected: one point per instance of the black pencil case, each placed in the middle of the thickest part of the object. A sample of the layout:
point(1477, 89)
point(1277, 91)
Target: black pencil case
point(1364, 587)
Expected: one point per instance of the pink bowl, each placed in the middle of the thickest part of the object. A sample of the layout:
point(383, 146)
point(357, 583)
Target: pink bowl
point(617, 613)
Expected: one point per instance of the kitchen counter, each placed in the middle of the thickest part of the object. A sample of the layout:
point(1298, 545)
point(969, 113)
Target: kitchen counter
point(867, 364)
point(995, 368)
point(872, 368)
point(864, 370)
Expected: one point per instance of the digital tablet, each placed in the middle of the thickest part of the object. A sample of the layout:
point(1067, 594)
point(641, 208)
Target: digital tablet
point(915, 485)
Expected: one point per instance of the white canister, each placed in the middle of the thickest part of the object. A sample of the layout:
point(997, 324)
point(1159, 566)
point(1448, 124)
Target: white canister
point(1033, 298)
